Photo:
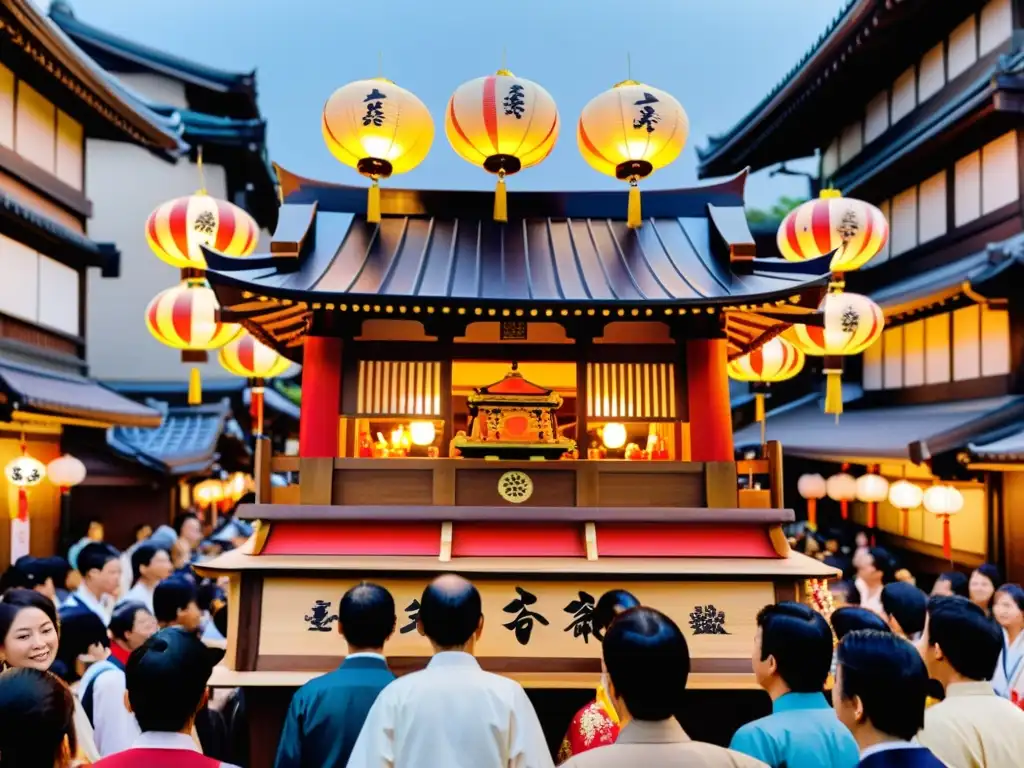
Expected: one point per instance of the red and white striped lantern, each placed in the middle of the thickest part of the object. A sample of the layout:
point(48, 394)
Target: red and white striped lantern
point(176, 230)
point(854, 230)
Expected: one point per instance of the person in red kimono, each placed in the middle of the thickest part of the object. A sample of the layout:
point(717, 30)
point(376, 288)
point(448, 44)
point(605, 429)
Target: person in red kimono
point(597, 724)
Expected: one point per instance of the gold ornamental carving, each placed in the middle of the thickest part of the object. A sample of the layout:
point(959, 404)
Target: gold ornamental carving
point(515, 486)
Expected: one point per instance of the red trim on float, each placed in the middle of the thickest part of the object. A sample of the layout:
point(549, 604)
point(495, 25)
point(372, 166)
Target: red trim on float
point(353, 539)
point(682, 540)
point(518, 540)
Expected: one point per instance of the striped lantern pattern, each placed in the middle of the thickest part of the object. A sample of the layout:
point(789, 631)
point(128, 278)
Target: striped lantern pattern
point(856, 231)
point(852, 324)
point(501, 115)
point(185, 317)
point(774, 361)
point(176, 230)
point(248, 357)
point(632, 122)
point(377, 120)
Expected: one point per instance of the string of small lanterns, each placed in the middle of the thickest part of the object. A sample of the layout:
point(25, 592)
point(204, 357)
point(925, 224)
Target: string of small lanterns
point(504, 124)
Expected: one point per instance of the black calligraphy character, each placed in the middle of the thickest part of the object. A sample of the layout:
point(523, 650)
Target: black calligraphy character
point(34, 476)
point(205, 223)
point(707, 620)
point(16, 474)
point(514, 103)
point(374, 108)
point(648, 115)
point(849, 320)
point(522, 624)
point(321, 620)
point(582, 611)
point(413, 609)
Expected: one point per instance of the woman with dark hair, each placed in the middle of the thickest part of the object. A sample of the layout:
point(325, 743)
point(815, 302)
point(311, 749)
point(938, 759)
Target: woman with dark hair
point(36, 720)
point(949, 584)
point(597, 724)
point(30, 639)
point(1008, 609)
point(981, 589)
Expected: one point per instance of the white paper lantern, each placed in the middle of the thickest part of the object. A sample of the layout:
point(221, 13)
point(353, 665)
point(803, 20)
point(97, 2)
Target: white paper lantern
point(811, 486)
point(842, 487)
point(905, 496)
point(872, 488)
point(943, 500)
point(66, 471)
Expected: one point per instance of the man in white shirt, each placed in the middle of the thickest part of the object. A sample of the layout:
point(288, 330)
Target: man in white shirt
point(100, 566)
point(452, 713)
point(150, 566)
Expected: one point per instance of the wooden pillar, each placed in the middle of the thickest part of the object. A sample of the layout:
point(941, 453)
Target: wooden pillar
point(321, 398)
point(708, 399)
point(583, 348)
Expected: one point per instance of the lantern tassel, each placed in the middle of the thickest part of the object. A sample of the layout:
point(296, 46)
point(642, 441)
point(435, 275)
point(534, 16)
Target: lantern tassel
point(812, 514)
point(906, 521)
point(195, 387)
point(834, 392)
point(373, 203)
point(633, 217)
point(872, 513)
point(500, 200)
point(22, 504)
point(759, 406)
point(844, 509)
point(947, 539)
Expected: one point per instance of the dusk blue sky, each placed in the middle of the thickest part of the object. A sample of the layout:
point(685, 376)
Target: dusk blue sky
point(718, 57)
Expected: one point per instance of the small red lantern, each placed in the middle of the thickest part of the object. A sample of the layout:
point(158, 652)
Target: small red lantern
point(245, 356)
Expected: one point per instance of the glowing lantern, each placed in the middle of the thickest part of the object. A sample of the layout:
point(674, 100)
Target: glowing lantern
point(852, 230)
point(842, 487)
point(811, 488)
point(905, 496)
point(176, 230)
point(246, 356)
point(630, 131)
point(185, 317)
point(943, 501)
point(871, 489)
point(502, 123)
point(422, 432)
point(66, 472)
point(774, 361)
point(379, 129)
point(613, 435)
point(209, 492)
point(852, 324)
point(23, 472)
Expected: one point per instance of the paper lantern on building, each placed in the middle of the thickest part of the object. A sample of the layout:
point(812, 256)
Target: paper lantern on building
point(851, 230)
point(252, 359)
point(177, 230)
point(943, 501)
point(905, 496)
point(852, 323)
point(630, 131)
point(811, 488)
point(774, 361)
point(379, 129)
point(503, 124)
point(872, 489)
point(185, 317)
point(842, 487)
point(23, 473)
point(66, 472)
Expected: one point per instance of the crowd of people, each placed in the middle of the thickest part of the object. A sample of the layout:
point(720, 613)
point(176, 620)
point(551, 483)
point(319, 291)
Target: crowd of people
point(892, 677)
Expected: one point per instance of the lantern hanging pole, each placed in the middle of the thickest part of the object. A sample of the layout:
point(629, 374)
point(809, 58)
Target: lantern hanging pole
point(504, 58)
point(380, 63)
point(629, 66)
point(199, 168)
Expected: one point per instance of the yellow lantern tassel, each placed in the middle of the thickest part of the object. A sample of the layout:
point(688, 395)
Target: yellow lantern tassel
point(834, 391)
point(373, 203)
point(195, 388)
point(633, 217)
point(500, 200)
point(759, 406)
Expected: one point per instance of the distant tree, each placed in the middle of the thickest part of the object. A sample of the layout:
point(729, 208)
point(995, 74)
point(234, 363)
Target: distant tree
point(777, 212)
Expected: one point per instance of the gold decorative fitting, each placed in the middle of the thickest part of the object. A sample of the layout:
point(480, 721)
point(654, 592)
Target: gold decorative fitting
point(389, 309)
point(533, 313)
point(548, 313)
point(605, 312)
point(316, 306)
point(329, 306)
point(515, 486)
point(492, 312)
point(462, 310)
point(711, 310)
point(478, 311)
point(402, 310)
point(519, 313)
point(505, 313)
point(376, 307)
point(430, 310)
point(578, 312)
point(622, 312)
point(590, 312)
point(634, 312)
point(648, 312)
point(246, 294)
point(564, 313)
point(445, 310)
point(668, 311)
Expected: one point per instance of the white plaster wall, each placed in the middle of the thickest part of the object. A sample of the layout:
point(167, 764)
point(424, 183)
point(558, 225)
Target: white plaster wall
point(125, 183)
point(161, 90)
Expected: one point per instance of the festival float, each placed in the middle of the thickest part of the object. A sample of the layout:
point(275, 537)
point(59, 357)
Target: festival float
point(540, 404)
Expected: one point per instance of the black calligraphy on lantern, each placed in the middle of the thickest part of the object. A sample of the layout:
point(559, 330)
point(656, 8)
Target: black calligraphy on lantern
point(320, 618)
point(374, 108)
point(707, 620)
point(413, 609)
point(205, 223)
point(522, 624)
point(515, 102)
point(648, 114)
point(849, 225)
point(849, 320)
point(582, 610)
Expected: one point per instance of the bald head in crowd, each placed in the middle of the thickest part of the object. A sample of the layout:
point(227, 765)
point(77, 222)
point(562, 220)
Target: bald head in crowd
point(451, 614)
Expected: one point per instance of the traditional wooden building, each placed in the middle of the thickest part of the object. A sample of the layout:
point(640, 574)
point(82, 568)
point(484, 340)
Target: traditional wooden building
point(582, 363)
point(915, 107)
point(53, 99)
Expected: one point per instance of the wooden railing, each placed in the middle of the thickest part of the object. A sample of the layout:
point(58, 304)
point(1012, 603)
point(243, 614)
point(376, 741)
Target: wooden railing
point(475, 482)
